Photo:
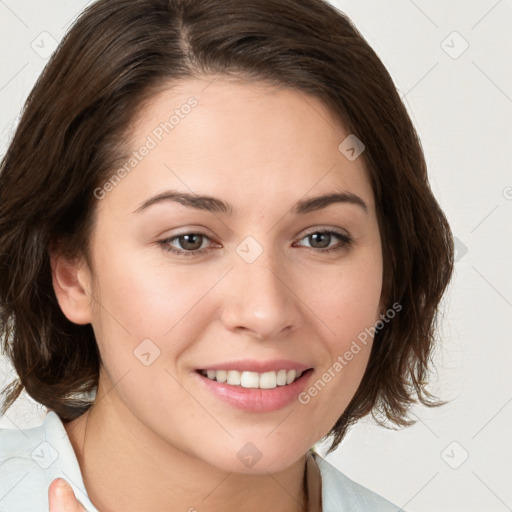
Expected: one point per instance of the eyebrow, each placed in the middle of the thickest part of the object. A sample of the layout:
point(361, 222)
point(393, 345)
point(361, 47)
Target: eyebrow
point(216, 205)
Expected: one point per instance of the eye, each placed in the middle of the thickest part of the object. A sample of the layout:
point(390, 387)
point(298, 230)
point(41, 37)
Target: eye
point(190, 244)
point(320, 240)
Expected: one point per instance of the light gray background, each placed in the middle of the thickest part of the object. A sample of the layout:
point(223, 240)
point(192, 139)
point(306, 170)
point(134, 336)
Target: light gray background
point(461, 102)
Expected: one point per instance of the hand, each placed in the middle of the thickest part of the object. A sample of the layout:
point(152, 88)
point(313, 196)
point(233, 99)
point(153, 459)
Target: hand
point(62, 498)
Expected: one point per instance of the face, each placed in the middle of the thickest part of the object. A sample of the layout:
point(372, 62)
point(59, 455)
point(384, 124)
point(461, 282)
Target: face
point(183, 286)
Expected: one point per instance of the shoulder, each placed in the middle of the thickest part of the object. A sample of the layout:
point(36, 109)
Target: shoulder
point(341, 494)
point(30, 459)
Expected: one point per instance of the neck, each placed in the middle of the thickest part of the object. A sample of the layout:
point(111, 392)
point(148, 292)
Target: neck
point(127, 467)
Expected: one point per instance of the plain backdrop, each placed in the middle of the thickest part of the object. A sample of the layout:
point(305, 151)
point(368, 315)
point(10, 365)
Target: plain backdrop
point(451, 62)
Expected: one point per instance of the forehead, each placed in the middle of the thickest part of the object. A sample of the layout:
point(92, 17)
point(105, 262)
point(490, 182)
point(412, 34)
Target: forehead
point(243, 141)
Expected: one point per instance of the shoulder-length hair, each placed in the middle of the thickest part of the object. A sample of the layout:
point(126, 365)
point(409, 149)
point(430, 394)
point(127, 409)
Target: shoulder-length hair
point(72, 132)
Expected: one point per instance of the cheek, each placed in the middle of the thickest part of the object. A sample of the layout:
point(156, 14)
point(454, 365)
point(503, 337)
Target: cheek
point(141, 298)
point(147, 299)
point(347, 302)
point(347, 299)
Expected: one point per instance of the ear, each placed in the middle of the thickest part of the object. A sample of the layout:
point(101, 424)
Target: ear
point(71, 278)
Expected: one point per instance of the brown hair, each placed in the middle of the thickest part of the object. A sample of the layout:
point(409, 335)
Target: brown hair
point(71, 134)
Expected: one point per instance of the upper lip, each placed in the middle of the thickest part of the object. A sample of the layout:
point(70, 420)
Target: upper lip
point(253, 365)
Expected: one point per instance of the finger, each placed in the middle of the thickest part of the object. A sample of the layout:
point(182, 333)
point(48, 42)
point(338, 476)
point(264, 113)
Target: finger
point(62, 498)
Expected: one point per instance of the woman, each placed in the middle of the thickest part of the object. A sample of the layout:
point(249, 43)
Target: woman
point(219, 246)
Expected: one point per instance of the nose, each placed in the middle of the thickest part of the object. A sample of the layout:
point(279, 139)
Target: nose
point(259, 298)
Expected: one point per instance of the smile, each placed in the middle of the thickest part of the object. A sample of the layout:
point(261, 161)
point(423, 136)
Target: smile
point(267, 380)
point(252, 391)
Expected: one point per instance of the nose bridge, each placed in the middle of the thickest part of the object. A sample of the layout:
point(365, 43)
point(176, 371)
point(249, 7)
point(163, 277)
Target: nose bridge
point(259, 299)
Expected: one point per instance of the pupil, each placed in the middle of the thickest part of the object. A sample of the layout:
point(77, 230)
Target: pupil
point(325, 236)
point(187, 243)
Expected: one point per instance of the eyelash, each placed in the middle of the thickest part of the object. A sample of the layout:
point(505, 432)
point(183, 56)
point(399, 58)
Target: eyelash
point(345, 241)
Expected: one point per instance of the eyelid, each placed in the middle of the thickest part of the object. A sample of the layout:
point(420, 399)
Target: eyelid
point(345, 239)
point(326, 229)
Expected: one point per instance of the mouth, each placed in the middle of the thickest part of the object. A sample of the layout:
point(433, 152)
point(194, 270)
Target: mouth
point(252, 391)
point(254, 380)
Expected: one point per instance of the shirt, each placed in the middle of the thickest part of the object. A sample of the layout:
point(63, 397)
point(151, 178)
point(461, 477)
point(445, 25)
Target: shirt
point(30, 459)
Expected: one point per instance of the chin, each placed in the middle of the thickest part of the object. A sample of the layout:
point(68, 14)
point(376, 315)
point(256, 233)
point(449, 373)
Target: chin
point(256, 458)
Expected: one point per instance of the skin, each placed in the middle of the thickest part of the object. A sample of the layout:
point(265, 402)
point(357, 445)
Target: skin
point(155, 430)
point(62, 499)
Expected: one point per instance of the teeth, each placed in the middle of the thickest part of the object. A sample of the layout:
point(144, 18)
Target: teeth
point(249, 379)
point(233, 378)
point(281, 377)
point(267, 380)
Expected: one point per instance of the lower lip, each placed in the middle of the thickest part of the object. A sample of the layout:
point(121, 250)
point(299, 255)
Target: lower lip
point(255, 399)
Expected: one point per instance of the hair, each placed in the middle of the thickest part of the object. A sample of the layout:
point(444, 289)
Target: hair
point(73, 132)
